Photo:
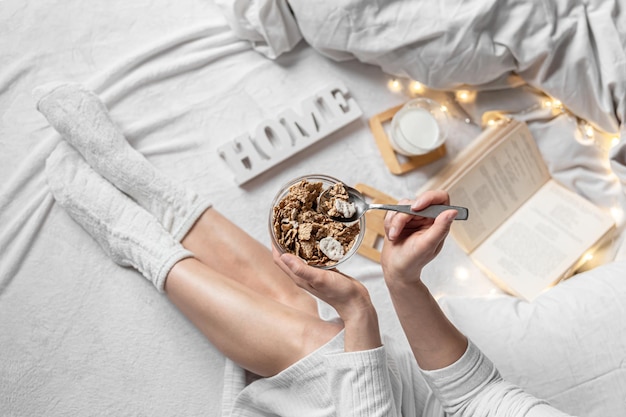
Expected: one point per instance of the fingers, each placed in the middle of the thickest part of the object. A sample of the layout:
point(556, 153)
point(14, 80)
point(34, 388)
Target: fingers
point(276, 257)
point(440, 228)
point(395, 223)
point(305, 276)
point(289, 264)
point(297, 267)
point(286, 262)
point(345, 294)
point(429, 198)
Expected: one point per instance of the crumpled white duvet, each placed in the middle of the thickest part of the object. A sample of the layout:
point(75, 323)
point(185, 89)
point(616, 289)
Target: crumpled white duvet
point(573, 50)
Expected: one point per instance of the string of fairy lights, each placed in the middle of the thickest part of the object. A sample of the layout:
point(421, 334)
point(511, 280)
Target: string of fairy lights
point(586, 134)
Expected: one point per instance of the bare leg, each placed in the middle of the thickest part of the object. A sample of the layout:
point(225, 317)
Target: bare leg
point(247, 307)
point(261, 334)
point(228, 250)
point(258, 333)
point(84, 121)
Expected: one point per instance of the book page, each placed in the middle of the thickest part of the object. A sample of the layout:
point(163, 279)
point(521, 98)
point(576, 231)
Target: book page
point(496, 185)
point(543, 239)
point(455, 168)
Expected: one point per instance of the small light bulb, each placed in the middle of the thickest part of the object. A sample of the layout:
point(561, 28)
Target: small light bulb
point(462, 274)
point(491, 122)
point(465, 96)
point(417, 87)
point(584, 132)
point(557, 104)
point(547, 103)
point(614, 141)
point(444, 108)
point(395, 85)
point(618, 214)
point(588, 256)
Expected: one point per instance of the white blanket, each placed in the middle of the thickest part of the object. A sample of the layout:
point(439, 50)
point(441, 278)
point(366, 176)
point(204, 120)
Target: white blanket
point(79, 332)
point(572, 50)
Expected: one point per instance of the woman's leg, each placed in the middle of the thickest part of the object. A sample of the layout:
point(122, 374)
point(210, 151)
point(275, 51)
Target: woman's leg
point(84, 121)
point(225, 248)
point(261, 334)
point(258, 333)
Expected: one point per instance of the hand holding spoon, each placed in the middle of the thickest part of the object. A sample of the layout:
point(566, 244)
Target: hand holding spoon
point(361, 206)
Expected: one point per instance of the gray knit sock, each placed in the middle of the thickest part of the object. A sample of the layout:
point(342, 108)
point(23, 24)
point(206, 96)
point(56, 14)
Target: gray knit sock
point(128, 234)
point(83, 120)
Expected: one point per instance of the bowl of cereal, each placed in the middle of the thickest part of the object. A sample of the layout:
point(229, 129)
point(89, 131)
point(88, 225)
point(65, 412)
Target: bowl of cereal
point(298, 226)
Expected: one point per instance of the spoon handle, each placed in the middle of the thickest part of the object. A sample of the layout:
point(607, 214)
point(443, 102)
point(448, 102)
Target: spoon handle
point(430, 211)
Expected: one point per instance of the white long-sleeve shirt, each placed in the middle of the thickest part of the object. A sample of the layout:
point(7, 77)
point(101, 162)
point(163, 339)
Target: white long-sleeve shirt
point(331, 382)
point(472, 386)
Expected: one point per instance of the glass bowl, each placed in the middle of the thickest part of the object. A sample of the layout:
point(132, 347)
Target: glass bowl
point(285, 243)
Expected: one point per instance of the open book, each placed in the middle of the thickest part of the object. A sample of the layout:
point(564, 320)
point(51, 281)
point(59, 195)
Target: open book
point(525, 230)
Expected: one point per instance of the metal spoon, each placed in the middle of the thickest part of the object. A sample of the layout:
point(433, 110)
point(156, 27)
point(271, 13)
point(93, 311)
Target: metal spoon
point(361, 206)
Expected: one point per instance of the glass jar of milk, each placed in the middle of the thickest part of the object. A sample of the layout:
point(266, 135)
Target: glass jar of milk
point(419, 127)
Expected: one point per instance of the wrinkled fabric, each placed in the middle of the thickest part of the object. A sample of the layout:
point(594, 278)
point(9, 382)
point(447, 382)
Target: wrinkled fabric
point(268, 25)
point(78, 331)
point(572, 50)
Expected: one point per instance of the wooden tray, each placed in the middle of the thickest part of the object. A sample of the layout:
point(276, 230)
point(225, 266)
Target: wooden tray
point(374, 222)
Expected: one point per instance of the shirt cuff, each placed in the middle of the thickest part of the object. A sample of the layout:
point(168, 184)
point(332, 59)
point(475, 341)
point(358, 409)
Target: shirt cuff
point(473, 386)
point(468, 375)
point(360, 383)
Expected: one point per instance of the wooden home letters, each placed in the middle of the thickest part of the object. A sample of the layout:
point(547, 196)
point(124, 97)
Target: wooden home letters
point(275, 140)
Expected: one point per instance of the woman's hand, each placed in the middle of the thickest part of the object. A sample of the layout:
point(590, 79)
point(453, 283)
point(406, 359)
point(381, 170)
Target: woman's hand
point(345, 294)
point(410, 243)
point(413, 241)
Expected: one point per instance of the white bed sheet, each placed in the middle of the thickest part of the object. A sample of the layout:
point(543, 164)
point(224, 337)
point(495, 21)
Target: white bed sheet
point(83, 336)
